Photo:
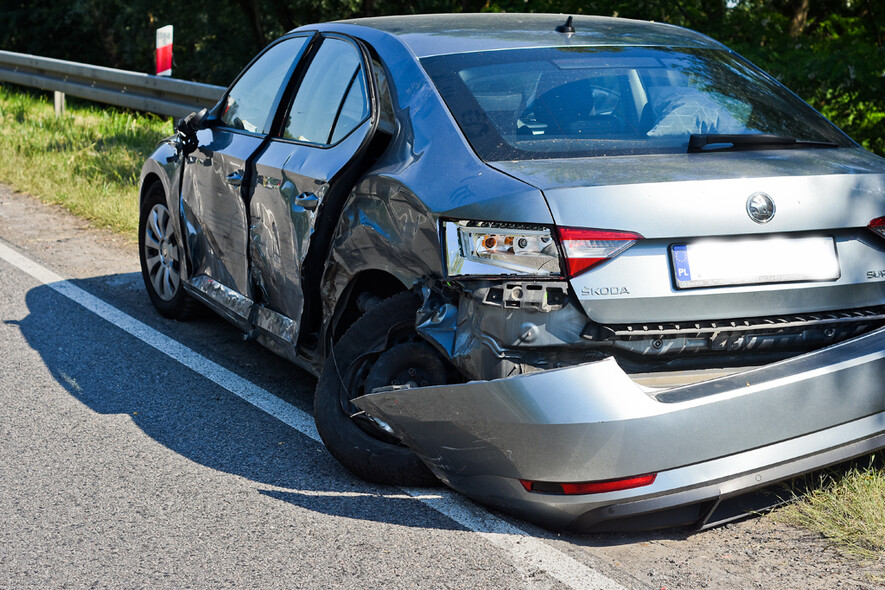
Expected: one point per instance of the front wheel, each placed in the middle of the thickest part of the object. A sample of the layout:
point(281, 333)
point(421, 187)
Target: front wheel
point(381, 348)
point(161, 256)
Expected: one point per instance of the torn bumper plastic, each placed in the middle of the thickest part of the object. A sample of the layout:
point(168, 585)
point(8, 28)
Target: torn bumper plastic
point(707, 442)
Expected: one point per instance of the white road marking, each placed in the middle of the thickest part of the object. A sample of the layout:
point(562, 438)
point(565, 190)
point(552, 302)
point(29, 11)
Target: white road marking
point(528, 552)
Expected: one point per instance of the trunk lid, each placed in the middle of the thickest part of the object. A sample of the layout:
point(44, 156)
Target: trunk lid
point(684, 199)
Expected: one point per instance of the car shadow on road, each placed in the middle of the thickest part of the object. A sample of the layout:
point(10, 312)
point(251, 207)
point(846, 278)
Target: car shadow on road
point(111, 372)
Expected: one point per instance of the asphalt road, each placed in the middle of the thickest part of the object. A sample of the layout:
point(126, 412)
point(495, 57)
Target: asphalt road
point(137, 452)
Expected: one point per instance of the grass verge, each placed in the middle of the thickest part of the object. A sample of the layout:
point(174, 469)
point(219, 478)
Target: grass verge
point(87, 160)
point(847, 507)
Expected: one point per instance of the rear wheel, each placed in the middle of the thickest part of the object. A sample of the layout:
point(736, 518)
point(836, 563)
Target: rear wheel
point(379, 349)
point(161, 255)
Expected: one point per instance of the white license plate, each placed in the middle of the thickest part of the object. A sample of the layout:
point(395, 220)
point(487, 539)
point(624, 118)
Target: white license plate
point(712, 263)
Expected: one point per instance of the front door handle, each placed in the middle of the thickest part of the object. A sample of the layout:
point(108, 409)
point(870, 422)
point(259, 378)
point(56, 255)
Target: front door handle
point(234, 178)
point(308, 201)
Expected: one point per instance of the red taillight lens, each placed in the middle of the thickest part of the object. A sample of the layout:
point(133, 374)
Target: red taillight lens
point(878, 226)
point(585, 248)
point(588, 487)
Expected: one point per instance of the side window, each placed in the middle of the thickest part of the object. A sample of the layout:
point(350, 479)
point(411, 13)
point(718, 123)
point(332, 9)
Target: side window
point(332, 99)
point(250, 103)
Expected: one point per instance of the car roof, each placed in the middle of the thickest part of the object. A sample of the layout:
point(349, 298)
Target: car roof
point(439, 34)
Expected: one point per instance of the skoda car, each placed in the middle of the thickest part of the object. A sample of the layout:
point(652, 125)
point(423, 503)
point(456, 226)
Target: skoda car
point(598, 273)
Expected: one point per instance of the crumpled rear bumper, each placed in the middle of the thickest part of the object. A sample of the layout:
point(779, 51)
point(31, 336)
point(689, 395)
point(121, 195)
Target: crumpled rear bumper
point(706, 442)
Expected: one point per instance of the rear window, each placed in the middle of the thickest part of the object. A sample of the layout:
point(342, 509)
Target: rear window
point(579, 101)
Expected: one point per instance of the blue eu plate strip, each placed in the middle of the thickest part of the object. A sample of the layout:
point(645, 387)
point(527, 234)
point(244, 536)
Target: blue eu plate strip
point(680, 262)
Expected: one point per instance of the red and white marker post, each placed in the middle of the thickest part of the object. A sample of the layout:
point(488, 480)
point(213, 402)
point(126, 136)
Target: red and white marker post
point(164, 51)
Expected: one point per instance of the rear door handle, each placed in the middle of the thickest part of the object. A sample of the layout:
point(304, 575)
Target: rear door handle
point(308, 201)
point(234, 178)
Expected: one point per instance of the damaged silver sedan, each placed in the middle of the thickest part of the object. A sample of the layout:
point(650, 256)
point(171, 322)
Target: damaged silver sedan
point(598, 273)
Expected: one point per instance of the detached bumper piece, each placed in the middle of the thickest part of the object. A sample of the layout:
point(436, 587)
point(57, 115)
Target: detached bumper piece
point(586, 448)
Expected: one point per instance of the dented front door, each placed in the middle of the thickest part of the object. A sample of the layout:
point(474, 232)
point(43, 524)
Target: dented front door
point(214, 208)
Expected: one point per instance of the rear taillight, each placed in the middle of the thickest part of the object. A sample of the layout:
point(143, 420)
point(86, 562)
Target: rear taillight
point(878, 226)
point(588, 487)
point(585, 248)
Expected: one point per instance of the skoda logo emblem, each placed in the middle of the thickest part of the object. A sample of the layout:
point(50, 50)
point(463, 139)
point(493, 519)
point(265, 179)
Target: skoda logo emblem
point(760, 208)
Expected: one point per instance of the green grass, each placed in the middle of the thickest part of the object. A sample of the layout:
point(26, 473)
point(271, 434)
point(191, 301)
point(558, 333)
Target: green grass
point(87, 160)
point(847, 507)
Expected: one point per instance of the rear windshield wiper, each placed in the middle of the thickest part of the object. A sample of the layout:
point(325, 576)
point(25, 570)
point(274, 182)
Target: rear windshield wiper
point(749, 141)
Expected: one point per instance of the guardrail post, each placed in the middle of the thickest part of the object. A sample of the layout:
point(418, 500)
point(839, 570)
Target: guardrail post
point(59, 100)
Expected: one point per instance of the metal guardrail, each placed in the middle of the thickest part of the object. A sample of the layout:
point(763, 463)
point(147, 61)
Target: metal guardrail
point(134, 90)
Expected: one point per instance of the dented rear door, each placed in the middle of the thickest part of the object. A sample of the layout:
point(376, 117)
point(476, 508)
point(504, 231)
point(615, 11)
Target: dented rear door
point(303, 175)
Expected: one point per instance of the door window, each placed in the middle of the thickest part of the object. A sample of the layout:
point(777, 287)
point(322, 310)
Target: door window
point(250, 103)
point(332, 100)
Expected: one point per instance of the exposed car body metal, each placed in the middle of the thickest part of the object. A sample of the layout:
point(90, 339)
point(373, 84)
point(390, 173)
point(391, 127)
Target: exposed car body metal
point(498, 330)
point(283, 238)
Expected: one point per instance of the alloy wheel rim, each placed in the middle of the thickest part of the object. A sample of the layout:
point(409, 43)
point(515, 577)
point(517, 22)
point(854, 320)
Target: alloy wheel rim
point(161, 253)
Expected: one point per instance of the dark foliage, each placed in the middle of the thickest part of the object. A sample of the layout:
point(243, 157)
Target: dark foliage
point(830, 52)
